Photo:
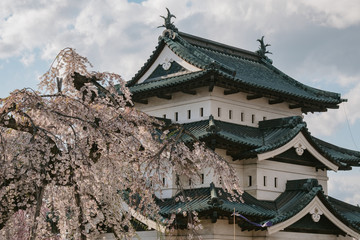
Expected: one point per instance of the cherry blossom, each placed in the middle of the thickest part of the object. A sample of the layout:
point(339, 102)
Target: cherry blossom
point(76, 155)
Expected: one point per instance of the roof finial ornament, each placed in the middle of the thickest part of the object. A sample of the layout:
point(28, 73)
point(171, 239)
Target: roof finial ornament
point(262, 50)
point(170, 27)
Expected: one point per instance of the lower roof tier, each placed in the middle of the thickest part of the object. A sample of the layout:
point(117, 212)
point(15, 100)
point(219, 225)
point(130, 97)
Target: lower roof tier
point(302, 206)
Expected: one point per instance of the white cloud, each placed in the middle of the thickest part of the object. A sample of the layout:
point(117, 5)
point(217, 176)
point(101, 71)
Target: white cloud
point(344, 185)
point(328, 123)
point(27, 59)
point(339, 14)
point(102, 30)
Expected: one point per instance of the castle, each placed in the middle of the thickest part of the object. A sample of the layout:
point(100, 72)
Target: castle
point(250, 112)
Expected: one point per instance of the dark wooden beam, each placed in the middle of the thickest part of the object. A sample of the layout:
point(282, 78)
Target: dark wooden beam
point(333, 107)
point(252, 97)
point(275, 101)
point(143, 101)
point(230, 91)
point(293, 106)
point(191, 92)
point(164, 96)
point(314, 109)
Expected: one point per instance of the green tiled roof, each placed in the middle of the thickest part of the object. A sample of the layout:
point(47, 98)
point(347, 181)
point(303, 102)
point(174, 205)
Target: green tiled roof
point(200, 201)
point(298, 194)
point(270, 135)
point(339, 154)
point(233, 68)
point(164, 83)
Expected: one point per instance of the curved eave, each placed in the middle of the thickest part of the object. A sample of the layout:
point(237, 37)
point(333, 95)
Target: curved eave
point(347, 157)
point(307, 104)
point(316, 203)
point(167, 85)
point(226, 81)
point(299, 141)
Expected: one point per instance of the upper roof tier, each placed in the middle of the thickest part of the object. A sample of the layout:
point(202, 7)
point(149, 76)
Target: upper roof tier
point(215, 64)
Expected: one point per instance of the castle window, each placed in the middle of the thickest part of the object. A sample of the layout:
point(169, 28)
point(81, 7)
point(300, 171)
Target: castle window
point(230, 114)
point(202, 178)
point(189, 114)
point(252, 118)
point(220, 180)
point(264, 181)
point(189, 181)
point(176, 116)
point(242, 116)
point(249, 181)
point(163, 181)
point(201, 112)
point(275, 182)
point(219, 112)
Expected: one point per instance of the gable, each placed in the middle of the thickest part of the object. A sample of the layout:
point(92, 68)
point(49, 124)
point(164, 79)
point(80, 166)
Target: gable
point(308, 225)
point(167, 64)
point(166, 69)
point(306, 159)
point(317, 210)
point(300, 144)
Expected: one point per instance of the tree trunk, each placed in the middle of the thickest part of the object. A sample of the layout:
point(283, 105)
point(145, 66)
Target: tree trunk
point(81, 215)
point(39, 198)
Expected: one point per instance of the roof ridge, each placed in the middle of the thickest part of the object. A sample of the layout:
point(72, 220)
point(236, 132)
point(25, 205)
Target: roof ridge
point(221, 47)
point(227, 53)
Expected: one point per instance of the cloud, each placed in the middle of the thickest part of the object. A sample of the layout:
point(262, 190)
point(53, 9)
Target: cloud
point(344, 185)
point(328, 123)
point(339, 14)
point(27, 59)
point(103, 29)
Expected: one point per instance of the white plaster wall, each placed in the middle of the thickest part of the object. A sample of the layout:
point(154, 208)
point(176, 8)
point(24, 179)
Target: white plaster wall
point(210, 102)
point(305, 236)
point(282, 171)
point(141, 235)
point(225, 231)
point(257, 170)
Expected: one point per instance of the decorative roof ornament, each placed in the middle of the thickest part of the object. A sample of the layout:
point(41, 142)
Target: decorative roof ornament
point(214, 199)
point(262, 50)
point(316, 214)
point(170, 27)
point(299, 148)
point(212, 126)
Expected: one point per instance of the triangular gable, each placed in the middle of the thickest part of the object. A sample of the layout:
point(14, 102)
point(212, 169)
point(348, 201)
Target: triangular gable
point(317, 210)
point(165, 60)
point(308, 225)
point(300, 144)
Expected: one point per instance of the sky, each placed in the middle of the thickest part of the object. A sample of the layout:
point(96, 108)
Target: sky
point(315, 42)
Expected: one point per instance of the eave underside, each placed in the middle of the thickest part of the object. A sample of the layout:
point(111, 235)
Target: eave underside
point(211, 79)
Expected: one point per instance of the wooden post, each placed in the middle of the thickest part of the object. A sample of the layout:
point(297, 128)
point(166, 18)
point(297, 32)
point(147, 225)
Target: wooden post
point(234, 223)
